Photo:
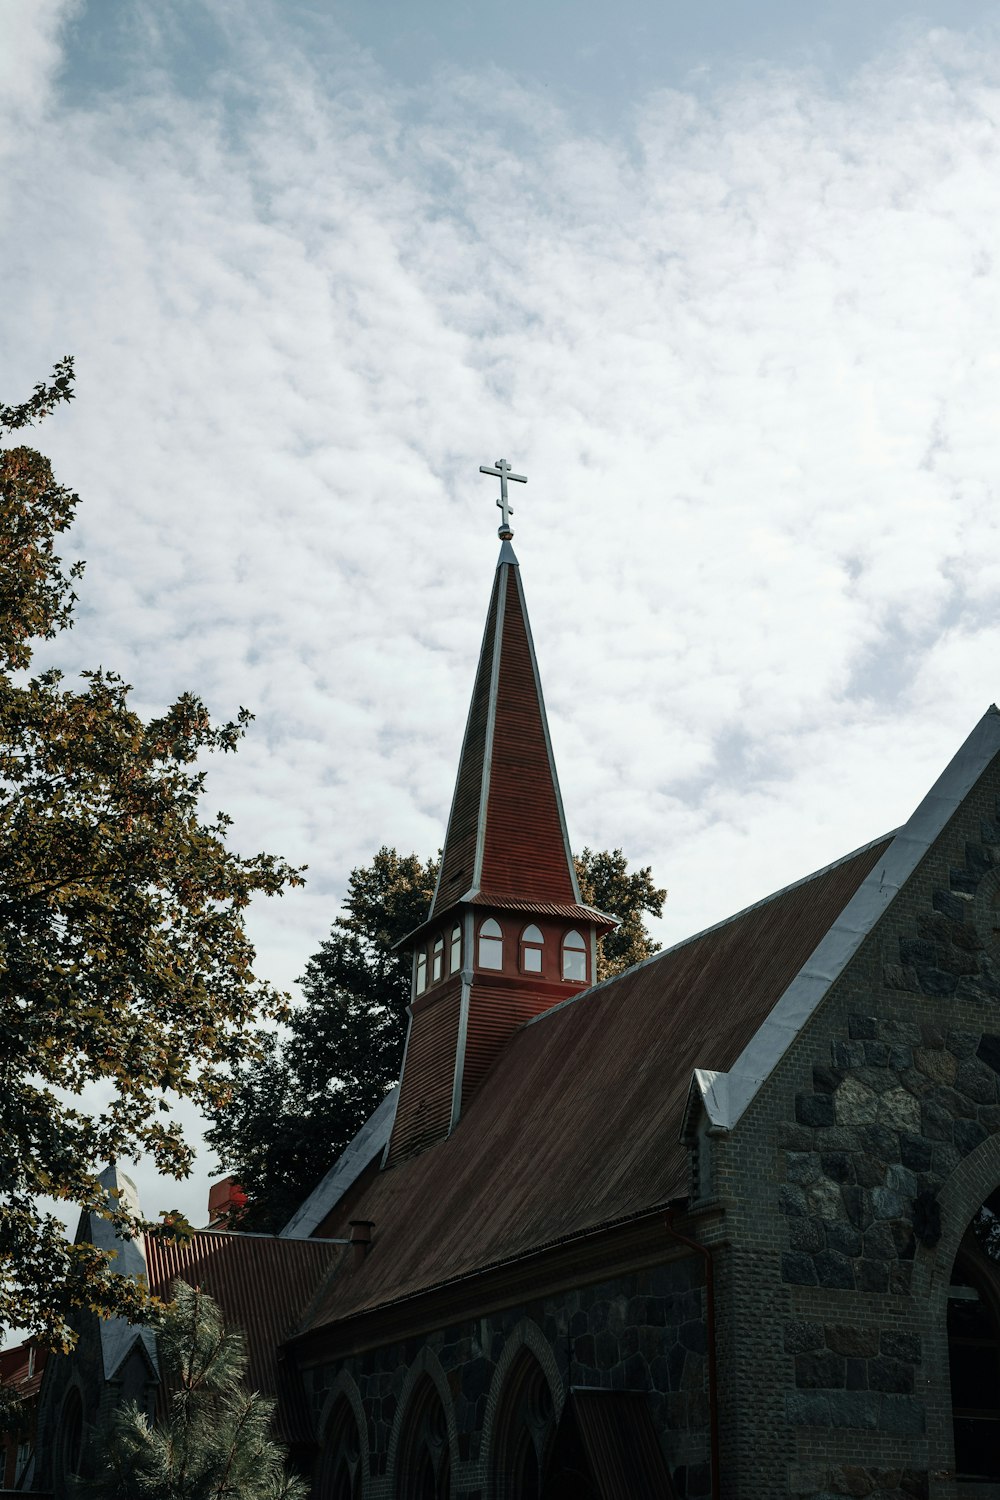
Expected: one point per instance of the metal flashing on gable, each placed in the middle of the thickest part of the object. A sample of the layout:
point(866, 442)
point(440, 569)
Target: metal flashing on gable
point(370, 1141)
point(725, 1105)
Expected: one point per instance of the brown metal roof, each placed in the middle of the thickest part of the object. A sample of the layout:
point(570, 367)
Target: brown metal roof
point(505, 830)
point(262, 1284)
point(578, 1122)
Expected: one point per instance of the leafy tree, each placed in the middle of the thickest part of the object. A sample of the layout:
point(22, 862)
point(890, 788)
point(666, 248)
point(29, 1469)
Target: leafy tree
point(605, 882)
point(123, 956)
point(293, 1114)
point(216, 1439)
point(291, 1117)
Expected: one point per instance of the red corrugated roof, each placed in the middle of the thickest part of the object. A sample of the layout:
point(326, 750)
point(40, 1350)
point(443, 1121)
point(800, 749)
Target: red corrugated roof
point(262, 1284)
point(578, 1122)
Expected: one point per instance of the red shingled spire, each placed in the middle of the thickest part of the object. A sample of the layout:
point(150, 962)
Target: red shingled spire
point(507, 935)
point(506, 834)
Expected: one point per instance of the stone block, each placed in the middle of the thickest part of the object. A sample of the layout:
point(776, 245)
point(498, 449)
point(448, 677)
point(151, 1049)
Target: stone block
point(861, 1343)
point(834, 1270)
point(807, 1409)
point(876, 1055)
point(854, 1409)
point(888, 1204)
point(899, 1109)
point(801, 1337)
point(825, 1080)
point(900, 1058)
point(847, 1055)
point(951, 905)
point(976, 1081)
point(936, 1122)
point(886, 1374)
point(676, 1361)
point(968, 1135)
point(843, 1238)
point(798, 1269)
point(822, 1371)
point(915, 1152)
point(963, 1043)
point(920, 952)
point(879, 1244)
point(838, 1166)
point(857, 1375)
point(824, 1199)
point(792, 1200)
point(872, 1275)
point(857, 1205)
point(903, 1416)
point(815, 1110)
point(806, 1234)
point(937, 982)
point(904, 1346)
point(854, 1102)
point(901, 1180)
point(988, 1051)
point(802, 1166)
point(862, 1028)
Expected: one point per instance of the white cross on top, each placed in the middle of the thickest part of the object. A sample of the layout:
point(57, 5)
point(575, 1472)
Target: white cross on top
point(503, 472)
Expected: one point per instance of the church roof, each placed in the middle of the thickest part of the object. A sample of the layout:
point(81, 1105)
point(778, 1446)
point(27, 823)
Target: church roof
point(506, 837)
point(578, 1123)
point(262, 1284)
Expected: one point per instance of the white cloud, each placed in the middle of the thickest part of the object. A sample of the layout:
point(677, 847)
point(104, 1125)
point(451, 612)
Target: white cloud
point(745, 351)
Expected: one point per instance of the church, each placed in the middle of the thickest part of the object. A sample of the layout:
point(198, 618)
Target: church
point(726, 1225)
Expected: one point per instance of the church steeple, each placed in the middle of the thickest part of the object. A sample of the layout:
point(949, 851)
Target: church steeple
point(507, 935)
point(506, 837)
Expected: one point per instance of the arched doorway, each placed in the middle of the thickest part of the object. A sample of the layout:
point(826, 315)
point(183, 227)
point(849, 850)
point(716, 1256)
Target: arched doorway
point(974, 1346)
point(69, 1449)
point(423, 1465)
point(524, 1432)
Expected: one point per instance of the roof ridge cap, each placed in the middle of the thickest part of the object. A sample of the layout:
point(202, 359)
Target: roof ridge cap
point(714, 926)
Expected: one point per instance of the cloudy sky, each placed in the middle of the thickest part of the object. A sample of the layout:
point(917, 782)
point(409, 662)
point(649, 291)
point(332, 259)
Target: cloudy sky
point(721, 280)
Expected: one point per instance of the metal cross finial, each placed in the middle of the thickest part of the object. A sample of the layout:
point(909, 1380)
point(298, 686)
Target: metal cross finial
point(503, 473)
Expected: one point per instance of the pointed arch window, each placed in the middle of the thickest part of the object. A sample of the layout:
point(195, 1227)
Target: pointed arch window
point(491, 945)
point(421, 971)
point(437, 959)
point(574, 958)
point(455, 961)
point(532, 950)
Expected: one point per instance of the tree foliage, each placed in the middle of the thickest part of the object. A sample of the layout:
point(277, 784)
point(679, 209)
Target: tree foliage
point(605, 882)
point(290, 1119)
point(124, 961)
point(216, 1439)
point(293, 1114)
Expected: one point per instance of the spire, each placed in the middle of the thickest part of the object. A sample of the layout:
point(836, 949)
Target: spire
point(506, 838)
point(507, 936)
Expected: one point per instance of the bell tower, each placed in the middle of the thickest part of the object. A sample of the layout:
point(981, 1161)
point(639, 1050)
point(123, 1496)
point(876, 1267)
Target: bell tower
point(507, 935)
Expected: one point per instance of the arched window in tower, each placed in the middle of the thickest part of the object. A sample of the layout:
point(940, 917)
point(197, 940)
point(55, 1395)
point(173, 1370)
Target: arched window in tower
point(437, 961)
point(490, 945)
point(456, 949)
point(574, 964)
point(421, 971)
point(974, 1347)
point(531, 950)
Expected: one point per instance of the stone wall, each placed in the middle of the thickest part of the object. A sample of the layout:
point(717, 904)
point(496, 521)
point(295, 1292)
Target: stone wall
point(834, 1373)
point(644, 1331)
